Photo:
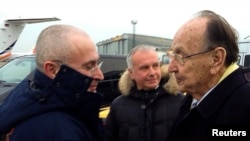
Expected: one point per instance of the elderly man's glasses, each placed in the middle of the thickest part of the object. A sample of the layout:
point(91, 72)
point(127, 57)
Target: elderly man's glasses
point(171, 55)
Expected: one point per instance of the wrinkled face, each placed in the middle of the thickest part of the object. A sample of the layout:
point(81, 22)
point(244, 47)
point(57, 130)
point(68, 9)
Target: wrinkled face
point(146, 70)
point(193, 75)
point(85, 60)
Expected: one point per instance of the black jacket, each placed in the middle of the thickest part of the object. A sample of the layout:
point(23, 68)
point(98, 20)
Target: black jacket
point(52, 110)
point(143, 115)
point(226, 108)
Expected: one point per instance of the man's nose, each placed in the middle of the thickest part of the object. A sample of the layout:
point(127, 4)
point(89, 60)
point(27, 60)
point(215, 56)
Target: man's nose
point(152, 70)
point(171, 66)
point(98, 74)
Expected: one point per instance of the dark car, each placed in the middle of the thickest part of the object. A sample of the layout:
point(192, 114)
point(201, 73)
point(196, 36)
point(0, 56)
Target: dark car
point(20, 68)
point(13, 72)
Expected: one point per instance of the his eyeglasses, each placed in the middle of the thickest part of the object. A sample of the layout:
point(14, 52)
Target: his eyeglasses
point(90, 67)
point(171, 55)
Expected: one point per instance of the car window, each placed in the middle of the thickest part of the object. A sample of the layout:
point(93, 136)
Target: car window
point(16, 70)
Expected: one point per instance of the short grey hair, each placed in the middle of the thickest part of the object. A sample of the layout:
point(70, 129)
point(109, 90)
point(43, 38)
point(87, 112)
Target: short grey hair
point(54, 43)
point(143, 48)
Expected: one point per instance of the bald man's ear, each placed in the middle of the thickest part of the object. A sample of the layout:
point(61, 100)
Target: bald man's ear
point(51, 69)
point(219, 57)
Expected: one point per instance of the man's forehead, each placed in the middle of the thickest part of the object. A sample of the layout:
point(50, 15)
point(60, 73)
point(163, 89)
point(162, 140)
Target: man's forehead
point(144, 56)
point(191, 35)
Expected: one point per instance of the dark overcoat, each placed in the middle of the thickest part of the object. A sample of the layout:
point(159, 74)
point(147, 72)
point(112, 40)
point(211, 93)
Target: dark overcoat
point(226, 108)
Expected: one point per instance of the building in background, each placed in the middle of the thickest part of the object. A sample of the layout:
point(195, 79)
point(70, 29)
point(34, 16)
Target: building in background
point(122, 44)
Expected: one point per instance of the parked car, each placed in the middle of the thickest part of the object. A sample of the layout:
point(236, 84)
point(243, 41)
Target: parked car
point(13, 72)
point(20, 68)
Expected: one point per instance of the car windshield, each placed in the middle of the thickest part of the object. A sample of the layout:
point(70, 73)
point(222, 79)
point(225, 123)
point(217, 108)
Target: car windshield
point(17, 69)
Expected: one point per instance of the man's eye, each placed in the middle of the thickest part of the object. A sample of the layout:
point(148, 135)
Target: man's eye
point(144, 67)
point(89, 66)
point(156, 65)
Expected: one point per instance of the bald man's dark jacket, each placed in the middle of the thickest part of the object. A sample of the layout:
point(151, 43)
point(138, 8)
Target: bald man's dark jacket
point(52, 110)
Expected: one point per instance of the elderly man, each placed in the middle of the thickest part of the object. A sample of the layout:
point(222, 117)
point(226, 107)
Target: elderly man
point(203, 57)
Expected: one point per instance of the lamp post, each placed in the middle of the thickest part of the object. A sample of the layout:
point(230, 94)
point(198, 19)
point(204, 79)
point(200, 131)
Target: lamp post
point(134, 22)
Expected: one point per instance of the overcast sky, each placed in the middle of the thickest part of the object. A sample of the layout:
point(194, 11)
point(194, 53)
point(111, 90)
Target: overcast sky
point(103, 19)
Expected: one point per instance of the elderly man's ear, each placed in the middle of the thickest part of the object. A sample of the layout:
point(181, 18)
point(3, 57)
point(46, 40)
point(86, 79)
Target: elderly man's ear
point(218, 59)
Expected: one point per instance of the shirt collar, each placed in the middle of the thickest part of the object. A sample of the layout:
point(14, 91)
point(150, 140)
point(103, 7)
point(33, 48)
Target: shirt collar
point(228, 71)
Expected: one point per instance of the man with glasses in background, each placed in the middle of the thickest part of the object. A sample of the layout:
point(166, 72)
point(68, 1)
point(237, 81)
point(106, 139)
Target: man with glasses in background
point(61, 102)
point(203, 56)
